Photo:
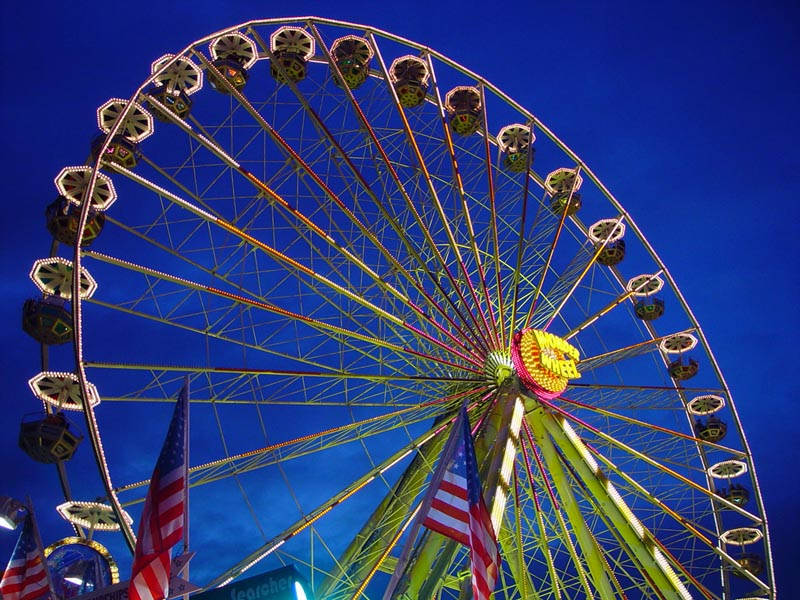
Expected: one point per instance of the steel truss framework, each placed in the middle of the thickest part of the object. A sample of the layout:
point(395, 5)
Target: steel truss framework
point(337, 273)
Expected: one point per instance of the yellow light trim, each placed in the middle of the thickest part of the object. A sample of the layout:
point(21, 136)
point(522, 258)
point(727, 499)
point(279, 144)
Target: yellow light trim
point(579, 446)
point(671, 575)
point(509, 455)
point(253, 562)
point(623, 508)
point(94, 545)
point(498, 508)
point(394, 462)
point(516, 418)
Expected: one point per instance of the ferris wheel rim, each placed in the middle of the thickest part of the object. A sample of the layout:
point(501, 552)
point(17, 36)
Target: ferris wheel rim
point(77, 320)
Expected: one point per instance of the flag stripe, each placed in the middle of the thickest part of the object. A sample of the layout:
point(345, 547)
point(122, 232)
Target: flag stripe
point(444, 520)
point(455, 534)
point(459, 510)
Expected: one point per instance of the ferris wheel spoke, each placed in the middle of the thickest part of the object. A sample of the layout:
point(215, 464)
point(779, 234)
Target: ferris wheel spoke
point(529, 261)
point(552, 250)
point(564, 297)
point(458, 184)
point(422, 264)
point(631, 398)
point(280, 257)
point(267, 191)
point(548, 309)
point(271, 308)
point(670, 388)
point(654, 427)
point(320, 124)
point(653, 463)
point(331, 374)
point(434, 196)
point(517, 265)
point(609, 358)
point(205, 332)
point(215, 272)
point(492, 201)
point(262, 347)
point(274, 454)
point(274, 134)
point(250, 391)
point(431, 244)
point(591, 319)
point(416, 445)
point(171, 178)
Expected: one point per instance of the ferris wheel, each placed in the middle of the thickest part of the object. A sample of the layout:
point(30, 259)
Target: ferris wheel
point(341, 236)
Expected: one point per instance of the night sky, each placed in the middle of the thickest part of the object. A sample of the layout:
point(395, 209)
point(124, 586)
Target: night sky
point(687, 112)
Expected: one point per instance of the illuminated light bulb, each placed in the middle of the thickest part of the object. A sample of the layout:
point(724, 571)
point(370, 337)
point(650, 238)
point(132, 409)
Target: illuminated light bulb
point(509, 455)
point(580, 446)
point(11, 512)
point(299, 592)
point(394, 462)
point(516, 417)
point(670, 574)
point(498, 508)
point(623, 508)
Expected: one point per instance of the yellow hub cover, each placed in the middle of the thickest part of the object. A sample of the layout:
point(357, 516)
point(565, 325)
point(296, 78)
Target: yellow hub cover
point(544, 362)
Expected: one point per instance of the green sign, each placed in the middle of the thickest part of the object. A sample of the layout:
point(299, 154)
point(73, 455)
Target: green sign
point(281, 584)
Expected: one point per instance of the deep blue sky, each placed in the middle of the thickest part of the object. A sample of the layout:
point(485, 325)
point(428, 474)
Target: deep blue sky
point(688, 112)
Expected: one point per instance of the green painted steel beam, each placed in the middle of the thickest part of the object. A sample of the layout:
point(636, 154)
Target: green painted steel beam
point(431, 557)
point(597, 569)
point(639, 542)
point(375, 535)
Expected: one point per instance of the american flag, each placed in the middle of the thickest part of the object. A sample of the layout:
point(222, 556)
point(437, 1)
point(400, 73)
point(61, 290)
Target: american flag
point(162, 523)
point(25, 577)
point(458, 511)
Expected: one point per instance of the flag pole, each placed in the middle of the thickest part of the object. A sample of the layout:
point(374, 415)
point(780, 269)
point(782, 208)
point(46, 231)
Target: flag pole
point(184, 397)
point(39, 547)
point(438, 474)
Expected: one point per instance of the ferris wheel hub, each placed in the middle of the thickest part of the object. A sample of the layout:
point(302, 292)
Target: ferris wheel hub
point(544, 362)
point(498, 366)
